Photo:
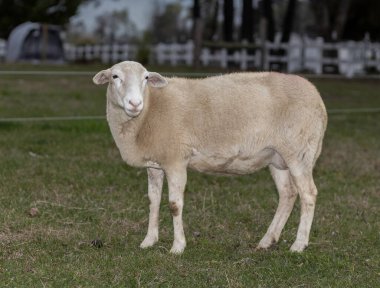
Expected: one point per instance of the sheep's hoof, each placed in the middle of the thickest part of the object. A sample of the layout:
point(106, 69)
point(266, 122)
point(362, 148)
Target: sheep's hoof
point(265, 243)
point(177, 248)
point(298, 247)
point(262, 247)
point(148, 242)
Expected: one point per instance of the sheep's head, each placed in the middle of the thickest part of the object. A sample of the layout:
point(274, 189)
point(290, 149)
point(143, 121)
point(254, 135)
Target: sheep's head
point(127, 82)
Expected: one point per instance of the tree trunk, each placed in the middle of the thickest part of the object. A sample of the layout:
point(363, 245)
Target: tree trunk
point(287, 27)
point(247, 24)
point(214, 22)
point(198, 33)
point(268, 14)
point(228, 10)
point(341, 18)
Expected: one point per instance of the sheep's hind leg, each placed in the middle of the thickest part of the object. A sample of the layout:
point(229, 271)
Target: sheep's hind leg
point(155, 181)
point(304, 183)
point(177, 178)
point(287, 197)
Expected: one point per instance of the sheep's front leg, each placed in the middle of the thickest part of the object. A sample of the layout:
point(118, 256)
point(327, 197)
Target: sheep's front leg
point(177, 181)
point(155, 181)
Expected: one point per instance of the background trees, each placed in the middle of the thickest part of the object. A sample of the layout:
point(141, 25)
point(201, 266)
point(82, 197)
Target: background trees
point(114, 27)
point(331, 19)
point(217, 20)
point(228, 23)
point(166, 26)
point(13, 13)
point(247, 22)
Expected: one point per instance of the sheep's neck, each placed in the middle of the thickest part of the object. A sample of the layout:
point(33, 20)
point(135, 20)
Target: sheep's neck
point(125, 131)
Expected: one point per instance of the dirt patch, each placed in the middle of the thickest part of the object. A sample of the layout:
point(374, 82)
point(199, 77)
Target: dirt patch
point(173, 208)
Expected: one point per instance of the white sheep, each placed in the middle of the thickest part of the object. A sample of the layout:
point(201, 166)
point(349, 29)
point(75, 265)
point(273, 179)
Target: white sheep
point(233, 124)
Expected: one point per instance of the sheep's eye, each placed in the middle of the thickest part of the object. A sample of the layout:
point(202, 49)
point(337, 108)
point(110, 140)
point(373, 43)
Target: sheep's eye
point(146, 77)
point(115, 76)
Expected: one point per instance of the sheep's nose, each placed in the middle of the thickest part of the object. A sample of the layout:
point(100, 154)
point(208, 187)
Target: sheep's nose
point(135, 104)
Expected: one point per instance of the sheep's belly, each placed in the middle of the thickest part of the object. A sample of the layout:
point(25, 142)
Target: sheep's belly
point(237, 164)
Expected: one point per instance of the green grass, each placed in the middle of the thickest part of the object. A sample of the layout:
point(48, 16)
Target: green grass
point(73, 174)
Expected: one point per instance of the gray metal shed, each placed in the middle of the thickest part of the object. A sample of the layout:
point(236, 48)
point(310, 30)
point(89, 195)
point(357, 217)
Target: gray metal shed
point(35, 42)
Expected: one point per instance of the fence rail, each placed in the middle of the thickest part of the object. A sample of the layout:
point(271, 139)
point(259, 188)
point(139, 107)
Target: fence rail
point(299, 55)
point(348, 58)
point(103, 117)
point(104, 53)
point(315, 56)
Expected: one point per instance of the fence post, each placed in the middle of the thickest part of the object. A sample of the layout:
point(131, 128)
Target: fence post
point(223, 58)
point(105, 54)
point(97, 51)
point(189, 48)
point(294, 54)
point(68, 50)
point(243, 59)
point(205, 57)
point(376, 47)
point(173, 54)
point(314, 56)
point(125, 52)
point(263, 42)
point(159, 53)
point(88, 52)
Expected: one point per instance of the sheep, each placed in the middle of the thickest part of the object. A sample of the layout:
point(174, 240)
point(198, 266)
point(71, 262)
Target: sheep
point(232, 124)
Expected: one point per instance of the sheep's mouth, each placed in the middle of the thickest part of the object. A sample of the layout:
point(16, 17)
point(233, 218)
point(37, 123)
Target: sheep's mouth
point(133, 113)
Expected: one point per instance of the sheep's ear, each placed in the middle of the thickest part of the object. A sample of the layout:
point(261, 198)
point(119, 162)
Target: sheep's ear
point(156, 80)
point(102, 77)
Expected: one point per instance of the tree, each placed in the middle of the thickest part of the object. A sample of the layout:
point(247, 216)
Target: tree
point(114, 27)
point(332, 16)
point(210, 12)
point(214, 21)
point(198, 32)
point(13, 13)
point(228, 27)
point(247, 24)
point(165, 25)
point(341, 18)
point(362, 18)
point(350, 19)
point(268, 15)
point(288, 21)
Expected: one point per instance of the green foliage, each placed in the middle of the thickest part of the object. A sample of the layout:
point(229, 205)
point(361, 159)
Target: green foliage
point(165, 24)
point(115, 26)
point(73, 174)
point(143, 50)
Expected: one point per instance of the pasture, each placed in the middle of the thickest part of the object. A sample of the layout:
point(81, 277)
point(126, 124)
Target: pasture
point(73, 174)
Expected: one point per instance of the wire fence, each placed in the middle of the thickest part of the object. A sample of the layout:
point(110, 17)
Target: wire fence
point(99, 117)
point(168, 74)
point(177, 74)
point(92, 73)
point(50, 118)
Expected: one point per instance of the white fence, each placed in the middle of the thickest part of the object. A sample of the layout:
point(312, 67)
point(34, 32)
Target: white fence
point(315, 56)
point(348, 58)
point(104, 53)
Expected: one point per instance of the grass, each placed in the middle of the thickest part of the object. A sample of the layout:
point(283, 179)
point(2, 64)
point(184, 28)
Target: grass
point(73, 174)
